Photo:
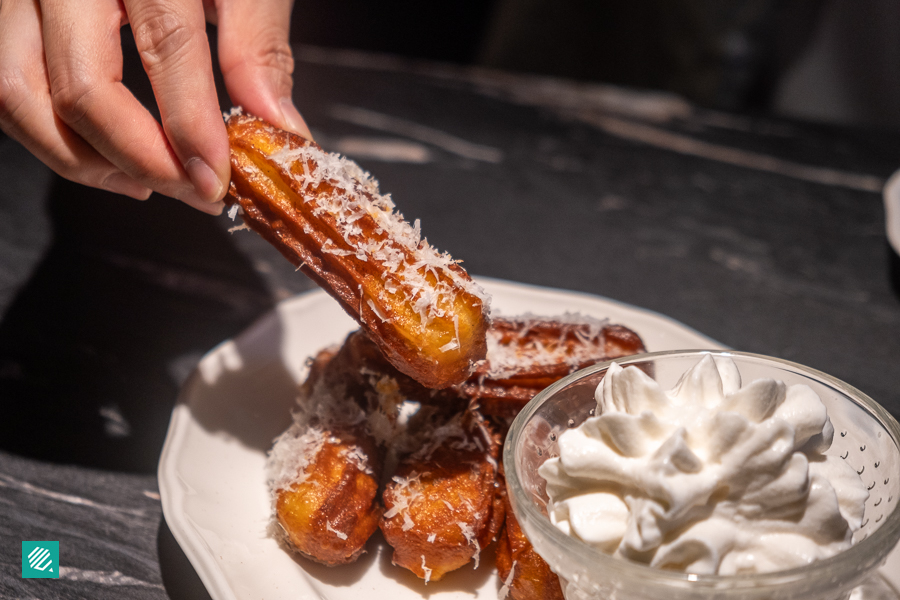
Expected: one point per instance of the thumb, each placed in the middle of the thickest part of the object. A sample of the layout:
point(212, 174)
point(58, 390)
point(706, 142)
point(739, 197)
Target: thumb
point(256, 60)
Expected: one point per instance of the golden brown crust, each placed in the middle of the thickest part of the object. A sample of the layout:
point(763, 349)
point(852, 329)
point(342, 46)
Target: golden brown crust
point(318, 368)
point(441, 509)
point(326, 216)
point(329, 515)
point(531, 578)
point(526, 354)
point(444, 504)
point(360, 365)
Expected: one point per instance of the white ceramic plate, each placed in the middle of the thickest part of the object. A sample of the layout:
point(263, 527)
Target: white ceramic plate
point(892, 210)
point(211, 473)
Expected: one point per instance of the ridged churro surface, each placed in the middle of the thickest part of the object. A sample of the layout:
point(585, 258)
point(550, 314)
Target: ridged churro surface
point(328, 217)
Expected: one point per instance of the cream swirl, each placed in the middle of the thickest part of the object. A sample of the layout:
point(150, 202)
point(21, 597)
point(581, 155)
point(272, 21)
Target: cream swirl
point(709, 477)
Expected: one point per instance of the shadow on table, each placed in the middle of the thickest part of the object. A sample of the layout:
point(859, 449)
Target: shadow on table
point(179, 577)
point(894, 270)
point(96, 344)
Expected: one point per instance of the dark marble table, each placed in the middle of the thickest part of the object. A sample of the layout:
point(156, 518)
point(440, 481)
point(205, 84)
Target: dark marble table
point(765, 235)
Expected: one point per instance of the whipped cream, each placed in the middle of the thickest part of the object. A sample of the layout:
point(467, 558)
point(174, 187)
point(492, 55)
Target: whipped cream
point(709, 477)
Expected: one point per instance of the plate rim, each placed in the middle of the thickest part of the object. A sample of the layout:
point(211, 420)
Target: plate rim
point(173, 491)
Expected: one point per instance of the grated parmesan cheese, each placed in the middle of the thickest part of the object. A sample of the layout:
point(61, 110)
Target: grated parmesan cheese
point(507, 583)
point(405, 493)
point(356, 457)
point(295, 449)
point(342, 192)
point(451, 345)
point(235, 111)
point(407, 522)
point(378, 313)
point(469, 532)
point(292, 453)
point(426, 570)
point(506, 358)
point(339, 534)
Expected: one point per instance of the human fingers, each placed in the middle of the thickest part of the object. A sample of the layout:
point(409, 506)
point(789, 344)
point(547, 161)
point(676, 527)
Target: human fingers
point(26, 111)
point(256, 59)
point(84, 68)
point(171, 38)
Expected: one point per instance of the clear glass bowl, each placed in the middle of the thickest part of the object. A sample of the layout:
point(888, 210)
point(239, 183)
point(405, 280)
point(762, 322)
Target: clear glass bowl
point(866, 435)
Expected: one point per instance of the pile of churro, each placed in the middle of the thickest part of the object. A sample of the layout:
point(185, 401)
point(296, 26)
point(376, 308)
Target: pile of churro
point(372, 448)
point(400, 428)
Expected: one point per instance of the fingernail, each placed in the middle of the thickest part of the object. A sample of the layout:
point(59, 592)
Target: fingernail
point(293, 119)
point(215, 209)
point(208, 186)
point(210, 208)
point(120, 183)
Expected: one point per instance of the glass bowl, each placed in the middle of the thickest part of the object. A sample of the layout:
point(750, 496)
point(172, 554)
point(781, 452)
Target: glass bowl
point(866, 436)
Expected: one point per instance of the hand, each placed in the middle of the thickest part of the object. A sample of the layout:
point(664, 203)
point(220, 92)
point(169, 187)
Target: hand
point(61, 92)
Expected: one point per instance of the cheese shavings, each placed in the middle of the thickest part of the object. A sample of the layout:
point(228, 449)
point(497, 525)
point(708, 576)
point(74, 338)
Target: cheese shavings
point(469, 533)
point(426, 570)
point(340, 534)
point(292, 454)
point(322, 210)
point(405, 493)
point(317, 412)
point(346, 193)
point(507, 583)
point(451, 345)
point(578, 338)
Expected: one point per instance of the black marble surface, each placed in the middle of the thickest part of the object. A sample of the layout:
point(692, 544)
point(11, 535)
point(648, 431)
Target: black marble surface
point(765, 235)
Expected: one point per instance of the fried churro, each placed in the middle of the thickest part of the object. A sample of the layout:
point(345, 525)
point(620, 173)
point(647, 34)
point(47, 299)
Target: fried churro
point(328, 217)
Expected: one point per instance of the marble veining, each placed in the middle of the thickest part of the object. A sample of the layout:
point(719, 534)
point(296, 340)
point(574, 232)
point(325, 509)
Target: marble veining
point(682, 144)
point(417, 131)
point(109, 578)
point(108, 304)
point(27, 488)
